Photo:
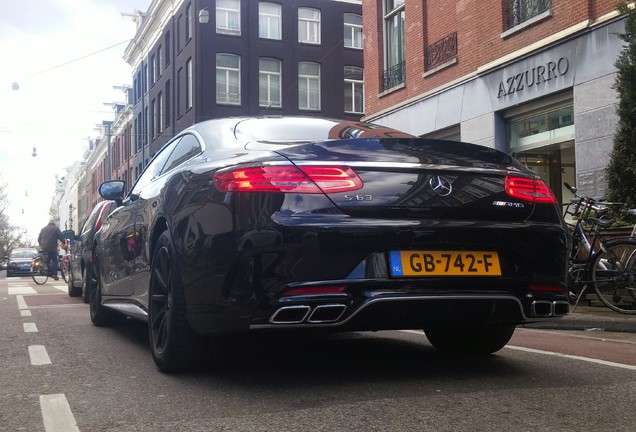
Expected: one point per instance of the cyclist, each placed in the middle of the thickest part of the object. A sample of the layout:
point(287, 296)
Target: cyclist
point(48, 238)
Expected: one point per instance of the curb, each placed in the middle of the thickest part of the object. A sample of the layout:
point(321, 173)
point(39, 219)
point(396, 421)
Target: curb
point(586, 323)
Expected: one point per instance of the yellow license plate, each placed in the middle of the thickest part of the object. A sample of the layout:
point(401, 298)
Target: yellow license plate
point(444, 263)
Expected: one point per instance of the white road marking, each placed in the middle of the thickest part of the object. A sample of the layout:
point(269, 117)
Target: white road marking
point(30, 328)
point(574, 357)
point(61, 287)
point(57, 414)
point(25, 313)
point(38, 355)
point(21, 290)
point(21, 303)
point(569, 356)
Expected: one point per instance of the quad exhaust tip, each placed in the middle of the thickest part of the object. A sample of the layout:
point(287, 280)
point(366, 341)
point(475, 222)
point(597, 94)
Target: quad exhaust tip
point(320, 314)
point(545, 308)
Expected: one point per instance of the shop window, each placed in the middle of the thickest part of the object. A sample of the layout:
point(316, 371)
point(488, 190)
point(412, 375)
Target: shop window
point(542, 129)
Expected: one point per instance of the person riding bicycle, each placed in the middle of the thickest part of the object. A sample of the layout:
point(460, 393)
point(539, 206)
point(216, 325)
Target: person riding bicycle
point(48, 238)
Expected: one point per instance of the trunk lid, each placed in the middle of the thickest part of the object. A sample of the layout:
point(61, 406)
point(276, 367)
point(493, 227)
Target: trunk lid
point(406, 177)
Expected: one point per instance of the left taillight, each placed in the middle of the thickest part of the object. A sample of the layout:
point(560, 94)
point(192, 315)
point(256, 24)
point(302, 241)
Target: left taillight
point(529, 189)
point(309, 179)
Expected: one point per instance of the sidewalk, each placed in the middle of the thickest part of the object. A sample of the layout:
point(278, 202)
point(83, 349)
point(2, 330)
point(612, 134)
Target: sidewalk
point(588, 317)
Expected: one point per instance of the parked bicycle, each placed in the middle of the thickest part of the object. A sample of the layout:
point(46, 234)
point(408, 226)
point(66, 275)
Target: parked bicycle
point(604, 265)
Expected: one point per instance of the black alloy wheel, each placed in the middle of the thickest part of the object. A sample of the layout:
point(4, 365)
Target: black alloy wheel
point(100, 315)
point(173, 343)
point(470, 340)
point(88, 281)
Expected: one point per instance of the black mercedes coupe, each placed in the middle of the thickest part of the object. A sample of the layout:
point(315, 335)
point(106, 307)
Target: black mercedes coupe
point(243, 225)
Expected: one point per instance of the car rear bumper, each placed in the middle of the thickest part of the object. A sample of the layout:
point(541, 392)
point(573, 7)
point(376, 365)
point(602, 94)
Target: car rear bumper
point(246, 290)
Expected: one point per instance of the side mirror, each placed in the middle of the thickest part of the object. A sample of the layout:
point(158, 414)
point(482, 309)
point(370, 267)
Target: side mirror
point(113, 190)
point(69, 234)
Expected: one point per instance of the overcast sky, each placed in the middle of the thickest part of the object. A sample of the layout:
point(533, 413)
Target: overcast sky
point(66, 56)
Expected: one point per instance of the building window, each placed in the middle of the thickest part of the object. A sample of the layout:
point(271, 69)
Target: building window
point(178, 33)
point(352, 31)
point(228, 79)
point(541, 129)
point(269, 20)
point(188, 23)
point(228, 16)
point(309, 25)
point(153, 67)
point(159, 64)
point(160, 103)
point(354, 90)
point(167, 42)
point(153, 118)
point(167, 111)
point(308, 86)
point(189, 83)
point(179, 92)
point(394, 49)
point(269, 83)
point(519, 11)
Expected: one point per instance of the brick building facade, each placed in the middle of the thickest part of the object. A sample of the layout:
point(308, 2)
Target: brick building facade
point(530, 77)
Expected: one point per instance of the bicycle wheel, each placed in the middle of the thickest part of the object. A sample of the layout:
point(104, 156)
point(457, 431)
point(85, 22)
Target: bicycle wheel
point(613, 275)
point(63, 264)
point(39, 271)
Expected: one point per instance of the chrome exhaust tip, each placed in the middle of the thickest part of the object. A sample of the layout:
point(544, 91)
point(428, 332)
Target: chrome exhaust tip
point(327, 313)
point(290, 315)
point(560, 308)
point(541, 308)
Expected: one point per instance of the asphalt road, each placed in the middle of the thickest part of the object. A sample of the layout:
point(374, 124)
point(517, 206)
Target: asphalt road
point(59, 373)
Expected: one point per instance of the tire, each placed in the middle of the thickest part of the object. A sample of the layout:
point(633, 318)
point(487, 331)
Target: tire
point(86, 284)
point(39, 271)
point(73, 291)
point(473, 340)
point(64, 271)
point(613, 275)
point(172, 341)
point(100, 315)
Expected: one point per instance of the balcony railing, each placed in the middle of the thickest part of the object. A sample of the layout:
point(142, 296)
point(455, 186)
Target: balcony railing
point(441, 51)
point(518, 11)
point(394, 76)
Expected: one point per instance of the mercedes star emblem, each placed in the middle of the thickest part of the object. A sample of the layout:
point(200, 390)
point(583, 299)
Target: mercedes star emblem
point(440, 185)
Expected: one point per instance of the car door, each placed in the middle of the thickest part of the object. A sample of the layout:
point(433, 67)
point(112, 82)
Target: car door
point(121, 239)
point(148, 199)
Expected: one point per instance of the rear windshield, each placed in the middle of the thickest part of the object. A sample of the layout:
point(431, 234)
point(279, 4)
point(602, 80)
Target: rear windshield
point(24, 253)
point(302, 129)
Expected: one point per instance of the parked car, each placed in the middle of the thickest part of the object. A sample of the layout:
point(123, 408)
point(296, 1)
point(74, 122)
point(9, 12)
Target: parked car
point(19, 262)
point(80, 252)
point(288, 223)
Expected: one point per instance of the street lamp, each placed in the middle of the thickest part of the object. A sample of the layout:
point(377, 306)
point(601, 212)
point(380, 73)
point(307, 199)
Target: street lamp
point(204, 16)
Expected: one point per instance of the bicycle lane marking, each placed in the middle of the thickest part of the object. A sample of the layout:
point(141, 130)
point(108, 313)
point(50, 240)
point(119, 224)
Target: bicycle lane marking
point(573, 357)
point(558, 354)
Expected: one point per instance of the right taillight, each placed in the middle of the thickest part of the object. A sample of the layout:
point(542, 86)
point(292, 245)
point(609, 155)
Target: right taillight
point(529, 189)
point(309, 179)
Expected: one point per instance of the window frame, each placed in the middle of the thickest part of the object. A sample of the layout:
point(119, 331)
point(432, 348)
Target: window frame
point(307, 79)
point(269, 74)
point(277, 20)
point(353, 83)
point(355, 29)
point(309, 23)
point(227, 71)
point(223, 10)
